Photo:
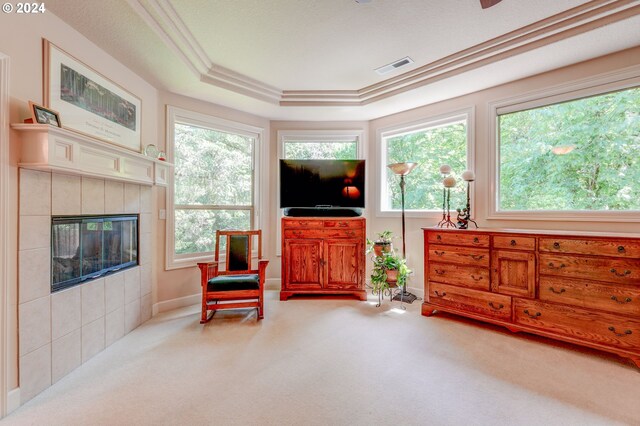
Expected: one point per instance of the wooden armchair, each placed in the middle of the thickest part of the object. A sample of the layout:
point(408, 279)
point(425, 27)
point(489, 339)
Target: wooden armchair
point(238, 285)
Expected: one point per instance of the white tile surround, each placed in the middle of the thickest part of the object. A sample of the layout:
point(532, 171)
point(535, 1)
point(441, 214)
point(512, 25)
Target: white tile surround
point(58, 332)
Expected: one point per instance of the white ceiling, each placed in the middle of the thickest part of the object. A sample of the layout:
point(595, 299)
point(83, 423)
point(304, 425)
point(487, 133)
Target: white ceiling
point(315, 59)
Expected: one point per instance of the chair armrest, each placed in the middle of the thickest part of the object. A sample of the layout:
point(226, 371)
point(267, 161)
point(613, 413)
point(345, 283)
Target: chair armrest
point(262, 268)
point(208, 270)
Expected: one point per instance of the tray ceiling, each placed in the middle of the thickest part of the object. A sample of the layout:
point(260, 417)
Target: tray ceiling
point(315, 60)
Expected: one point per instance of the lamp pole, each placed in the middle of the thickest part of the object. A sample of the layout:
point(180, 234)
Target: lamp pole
point(403, 169)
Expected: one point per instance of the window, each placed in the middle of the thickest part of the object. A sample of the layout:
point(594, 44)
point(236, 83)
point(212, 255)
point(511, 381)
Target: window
point(430, 143)
point(213, 184)
point(575, 157)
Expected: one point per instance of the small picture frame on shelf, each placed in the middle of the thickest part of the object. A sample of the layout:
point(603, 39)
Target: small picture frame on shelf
point(42, 115)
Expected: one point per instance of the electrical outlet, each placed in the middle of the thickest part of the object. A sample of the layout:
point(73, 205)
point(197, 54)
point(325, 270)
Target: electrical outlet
point(162, 214)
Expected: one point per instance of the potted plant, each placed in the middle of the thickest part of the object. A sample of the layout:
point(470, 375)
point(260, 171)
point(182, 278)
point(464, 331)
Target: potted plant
point(381, 245)
point(389, 270)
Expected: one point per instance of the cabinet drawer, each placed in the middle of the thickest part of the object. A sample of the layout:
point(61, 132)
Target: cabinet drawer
point(460, 255)
point(324, 233)
point(618, 248)
point(459, 238)
point(514, 242)
point(359, 224)
point(464, 299)
point(301, 223)
point(599, 327)
point(621, 271)
point(588, 294)
point(466, 276)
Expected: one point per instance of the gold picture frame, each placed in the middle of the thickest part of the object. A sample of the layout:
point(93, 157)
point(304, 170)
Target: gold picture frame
point(90, 103)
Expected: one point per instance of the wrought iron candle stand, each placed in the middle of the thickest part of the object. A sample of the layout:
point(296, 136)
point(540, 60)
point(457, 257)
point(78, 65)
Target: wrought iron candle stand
point(464, 215)
point(445, 170)
point(448, 182)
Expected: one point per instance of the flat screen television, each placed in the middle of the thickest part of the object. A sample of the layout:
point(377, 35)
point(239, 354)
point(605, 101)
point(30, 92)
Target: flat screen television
point(322, 184)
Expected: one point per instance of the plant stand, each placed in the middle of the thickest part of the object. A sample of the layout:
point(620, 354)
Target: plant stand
point(388, 291)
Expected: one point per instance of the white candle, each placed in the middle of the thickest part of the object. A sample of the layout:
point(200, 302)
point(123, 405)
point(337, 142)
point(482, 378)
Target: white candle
point(468, 176)
point(445, 169)
point(449, 182)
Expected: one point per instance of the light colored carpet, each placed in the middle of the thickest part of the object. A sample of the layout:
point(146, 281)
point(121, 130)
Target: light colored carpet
point(336, 362)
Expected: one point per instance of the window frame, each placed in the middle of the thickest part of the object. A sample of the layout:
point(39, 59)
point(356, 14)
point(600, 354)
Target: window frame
point(449, 117)
point(177, 115)
point(574, 90)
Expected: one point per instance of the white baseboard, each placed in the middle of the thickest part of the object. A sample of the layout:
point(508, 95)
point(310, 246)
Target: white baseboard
point(180, 302)
point(13, 400)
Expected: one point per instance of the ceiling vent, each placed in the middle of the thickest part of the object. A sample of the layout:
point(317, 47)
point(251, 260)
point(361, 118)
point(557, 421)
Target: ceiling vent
point(394, 65)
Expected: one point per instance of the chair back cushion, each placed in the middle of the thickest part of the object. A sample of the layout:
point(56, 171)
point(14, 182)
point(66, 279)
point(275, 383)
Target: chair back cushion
point(239, 256)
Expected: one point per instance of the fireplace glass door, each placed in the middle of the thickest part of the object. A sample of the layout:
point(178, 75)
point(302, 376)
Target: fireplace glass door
point(89, 247)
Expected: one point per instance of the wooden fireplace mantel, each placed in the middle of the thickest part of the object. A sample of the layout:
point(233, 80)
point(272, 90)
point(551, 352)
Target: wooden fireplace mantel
point(44, 147)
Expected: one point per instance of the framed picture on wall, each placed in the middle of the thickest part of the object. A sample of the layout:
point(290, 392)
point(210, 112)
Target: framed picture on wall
point(89, 102)
point(42, 115)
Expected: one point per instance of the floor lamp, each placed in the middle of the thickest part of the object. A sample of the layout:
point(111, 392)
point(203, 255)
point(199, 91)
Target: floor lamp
point(403, 169)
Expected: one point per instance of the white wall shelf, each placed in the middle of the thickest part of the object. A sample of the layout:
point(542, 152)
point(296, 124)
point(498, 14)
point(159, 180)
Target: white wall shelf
point(44, 147)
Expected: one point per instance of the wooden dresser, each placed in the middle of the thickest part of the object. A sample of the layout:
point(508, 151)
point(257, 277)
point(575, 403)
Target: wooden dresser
point(572, 287)
point(323, 255)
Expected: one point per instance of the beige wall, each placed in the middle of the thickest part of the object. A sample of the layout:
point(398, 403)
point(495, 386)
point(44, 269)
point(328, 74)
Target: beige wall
point(21, 40)
point(185, 282)
point(480, 101)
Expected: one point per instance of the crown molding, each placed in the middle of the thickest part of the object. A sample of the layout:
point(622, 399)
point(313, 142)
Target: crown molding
point(164, 20)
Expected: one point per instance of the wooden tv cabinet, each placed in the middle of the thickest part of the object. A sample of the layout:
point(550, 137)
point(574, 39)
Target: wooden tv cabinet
point(323, 255)
point(582, 288)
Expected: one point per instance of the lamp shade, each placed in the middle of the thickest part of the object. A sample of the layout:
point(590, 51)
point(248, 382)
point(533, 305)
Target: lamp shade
point(402, 169)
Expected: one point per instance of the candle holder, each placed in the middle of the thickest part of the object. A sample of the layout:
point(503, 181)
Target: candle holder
point(448, 182)
point(464, 215)
point(445, 170)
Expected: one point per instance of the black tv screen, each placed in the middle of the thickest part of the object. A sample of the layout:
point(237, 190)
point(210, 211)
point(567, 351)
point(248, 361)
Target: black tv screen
point(322, 183)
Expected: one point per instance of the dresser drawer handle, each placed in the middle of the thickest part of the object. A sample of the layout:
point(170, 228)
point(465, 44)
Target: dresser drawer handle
point(553, 290)
point(443, 294)
point(536, 315)
point(440, 271)
point(351, 233)
point(477, 256)
point(621, 249)
point(552, 266)
point(438, 237)
point(626, 332)
point(626, 300)
point(620, 274)
point(297, 233)
point(497, 308)
point(556, 245)
point(476, 278)
point(476, 240)
point(439, 253)
point(513, 242)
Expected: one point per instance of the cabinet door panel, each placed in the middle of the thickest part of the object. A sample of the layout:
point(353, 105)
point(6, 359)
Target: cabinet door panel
point(513, 273)
point(343, 263)
point(304, 264)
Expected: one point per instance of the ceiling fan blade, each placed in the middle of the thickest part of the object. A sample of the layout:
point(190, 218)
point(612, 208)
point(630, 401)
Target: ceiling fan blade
point(488, 3)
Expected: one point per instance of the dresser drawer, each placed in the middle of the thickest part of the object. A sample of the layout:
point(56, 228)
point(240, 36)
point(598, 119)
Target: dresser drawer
point(466, 276)
point(617, 248)
point(588, 294)
point(324, 233)
point(460, 255)
point(514, 242)
point(464, 299)
point(621, 271)
point(459, 238)
point(301, 223)
point(341, 224)
point(598, 327)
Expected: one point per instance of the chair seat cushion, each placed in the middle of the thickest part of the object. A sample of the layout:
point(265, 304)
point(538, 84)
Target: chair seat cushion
point(234, 282)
